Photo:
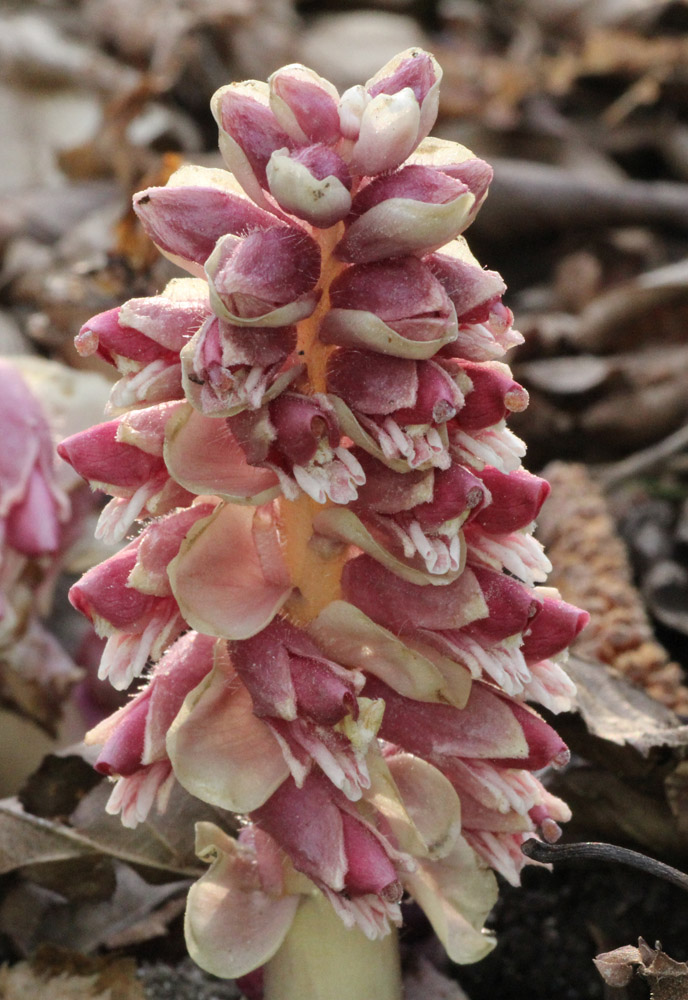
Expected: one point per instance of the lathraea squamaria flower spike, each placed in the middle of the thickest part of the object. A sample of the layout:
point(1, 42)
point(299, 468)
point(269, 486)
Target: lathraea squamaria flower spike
point(333, 598)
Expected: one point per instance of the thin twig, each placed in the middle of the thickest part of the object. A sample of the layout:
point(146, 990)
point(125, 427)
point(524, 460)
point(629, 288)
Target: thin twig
point(643, 461)
point(594, 851)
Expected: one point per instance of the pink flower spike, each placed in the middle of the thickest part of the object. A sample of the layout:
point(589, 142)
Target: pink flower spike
point(332, 589)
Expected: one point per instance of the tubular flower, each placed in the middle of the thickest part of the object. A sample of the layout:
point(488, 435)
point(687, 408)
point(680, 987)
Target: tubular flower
point(313, 430)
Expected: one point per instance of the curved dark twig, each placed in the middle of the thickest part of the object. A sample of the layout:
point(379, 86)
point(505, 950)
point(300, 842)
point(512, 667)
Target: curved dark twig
point(594, 851)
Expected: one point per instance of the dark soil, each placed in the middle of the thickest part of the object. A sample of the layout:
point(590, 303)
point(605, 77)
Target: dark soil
point(550, 930)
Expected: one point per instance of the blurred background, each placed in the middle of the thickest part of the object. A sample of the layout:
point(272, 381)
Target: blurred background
point(582, 108)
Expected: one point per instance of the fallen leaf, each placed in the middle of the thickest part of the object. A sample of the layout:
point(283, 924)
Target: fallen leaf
point(667, 978)
point(621, 713)
point(163, 844)
point(130, 915)
point(62, 975)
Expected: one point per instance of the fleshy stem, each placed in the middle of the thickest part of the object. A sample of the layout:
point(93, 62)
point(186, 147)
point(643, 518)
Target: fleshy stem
point(315, 569)
point(342, 965)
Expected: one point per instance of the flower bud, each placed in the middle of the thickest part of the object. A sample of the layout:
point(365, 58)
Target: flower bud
point(312, 183)
point(249, 133)
point(516, 499)
point(400, 404)
point(411, 211)
point(305, 104)
point(229, 368)
point(493, 395)
point(197, 206)
point(394, 307)
point(265, 278)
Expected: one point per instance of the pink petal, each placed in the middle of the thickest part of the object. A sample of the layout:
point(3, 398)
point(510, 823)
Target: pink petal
point(204, 456)
point(488, 727)
point(515, 499)
point(301, 98)
point(218, 580)
point(372, 383)
point(99, 457)
point(307, 824)
point(219, 750)
point(266, 278)
point(232, 926)
point(403, 607)
point(553, 629)
point(187, 221)
point(414, 210)
point(185, 664)
point(159, 543)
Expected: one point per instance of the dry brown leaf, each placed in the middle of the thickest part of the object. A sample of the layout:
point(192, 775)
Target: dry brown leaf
point(618, 712)
point(63, 976)
point(667, 978)
point(163, 843)
point(31, 915)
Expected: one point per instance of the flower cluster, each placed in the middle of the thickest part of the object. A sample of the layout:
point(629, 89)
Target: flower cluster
point(35, 672)
point(335, 599)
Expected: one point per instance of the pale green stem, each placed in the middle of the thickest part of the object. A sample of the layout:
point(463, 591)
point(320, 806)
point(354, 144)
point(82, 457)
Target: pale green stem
point(321, 959)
